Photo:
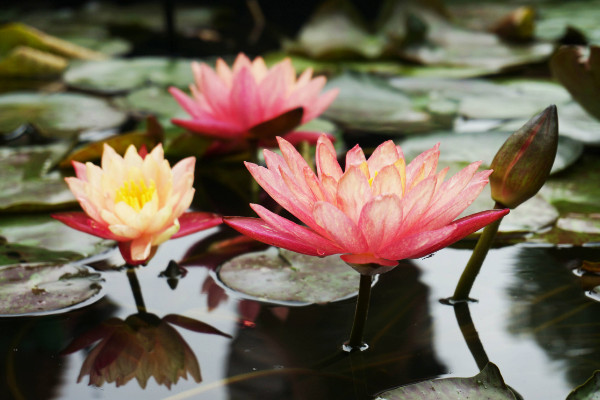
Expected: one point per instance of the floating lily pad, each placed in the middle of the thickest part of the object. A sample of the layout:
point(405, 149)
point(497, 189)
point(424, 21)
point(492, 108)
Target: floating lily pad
point(24, 183)
point(450, 45)
point(40, 231)
point(590, 390)
point(40, 289)
point(152, 100)
point(12, 253)
point(555, 17)
point(458, 147)
point(57, 115)
point(488, 384)
point(368, 103)
point(121, 75)
point(335, 30)
point(282, 276)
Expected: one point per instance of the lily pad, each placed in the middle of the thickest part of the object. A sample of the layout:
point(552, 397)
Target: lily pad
point(450, 45)
point(40, 231)
point(590, 390)
point(337, 30)
point(57, 115)
point(121, 75)
point(41, 289)
point(458, 147)
point(488, 384)
point(368, 103)
point(152, 100)
point(284, 277)
point(25, 184)
point(12, 253)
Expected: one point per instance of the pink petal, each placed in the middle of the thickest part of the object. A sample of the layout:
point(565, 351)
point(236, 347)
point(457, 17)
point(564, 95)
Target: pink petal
point(340, 228)
point(379, 220)
point(297, 164)
point(224, 71)
point(80, 170)
point(125, 249)
point(455, 207)
point(272, 91)
point(241, 61)
point(83, 223)
point(385, 154)
point(422, 166)
point(215, 92)
point(274, 185)
point(307, 94)
point(354, 156)
point(316, 108)
point(259, 230)
point(353, 192)
point(424, 243)
point(388, 181)
point(326, 159)
point(186, 102)
point(209, 126)
point(322, 245)
point(192, 222)
point(244, 99)
point(414, 204)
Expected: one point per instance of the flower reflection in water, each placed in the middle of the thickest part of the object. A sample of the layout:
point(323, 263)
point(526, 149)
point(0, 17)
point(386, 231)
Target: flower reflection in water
point(141, 346)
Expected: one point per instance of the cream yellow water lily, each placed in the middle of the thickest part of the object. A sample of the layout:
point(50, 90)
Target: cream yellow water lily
point(137, 200)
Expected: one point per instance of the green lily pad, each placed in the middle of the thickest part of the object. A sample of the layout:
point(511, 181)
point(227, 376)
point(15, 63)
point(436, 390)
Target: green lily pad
point(337, 30)
point(450, 45)
point(25, 184)
point(382, 67)
point(41, 289)
point(488, 384)
point(40, 231)
point(368, 103)
point(121, 75)
point(152, 100)
point(284, 277)
point(590, 390)
point(555, 17)
point(57, 115)
point(458, 147)
point(12, 253)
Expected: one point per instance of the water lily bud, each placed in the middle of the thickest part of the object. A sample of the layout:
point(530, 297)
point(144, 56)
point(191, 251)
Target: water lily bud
point(523, 163)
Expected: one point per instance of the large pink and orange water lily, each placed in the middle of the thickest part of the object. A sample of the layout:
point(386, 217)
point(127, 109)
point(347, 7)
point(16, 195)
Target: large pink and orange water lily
point(374, 212)
point(137, 200)
point(230, 104)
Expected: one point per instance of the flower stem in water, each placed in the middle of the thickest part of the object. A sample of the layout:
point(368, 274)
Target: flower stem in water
point(360, 316)
point(465, 283)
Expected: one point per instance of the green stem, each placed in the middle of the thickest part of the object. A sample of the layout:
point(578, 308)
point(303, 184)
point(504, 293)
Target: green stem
point(136, 289)
point(360, 316)
point(465, 283)
point(467, 328)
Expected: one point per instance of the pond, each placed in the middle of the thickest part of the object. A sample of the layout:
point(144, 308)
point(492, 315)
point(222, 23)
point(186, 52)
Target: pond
point(216, 315)
point(533, 321)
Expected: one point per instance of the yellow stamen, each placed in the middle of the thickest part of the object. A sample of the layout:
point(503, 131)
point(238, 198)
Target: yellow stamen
point(371, 179)
point(136, 195)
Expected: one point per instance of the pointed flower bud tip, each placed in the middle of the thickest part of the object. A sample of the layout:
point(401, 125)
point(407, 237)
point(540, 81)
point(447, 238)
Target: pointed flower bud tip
point(524, 161)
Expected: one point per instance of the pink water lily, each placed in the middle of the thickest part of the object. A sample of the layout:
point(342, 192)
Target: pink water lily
point(234, 104)
point(137, 200)
point(374, 212)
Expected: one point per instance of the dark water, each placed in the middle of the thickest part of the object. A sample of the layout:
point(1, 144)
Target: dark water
point(533, 321)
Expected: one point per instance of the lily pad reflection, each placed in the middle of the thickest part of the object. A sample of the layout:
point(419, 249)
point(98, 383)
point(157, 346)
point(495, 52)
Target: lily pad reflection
point(45, 288)
point(285, 277)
